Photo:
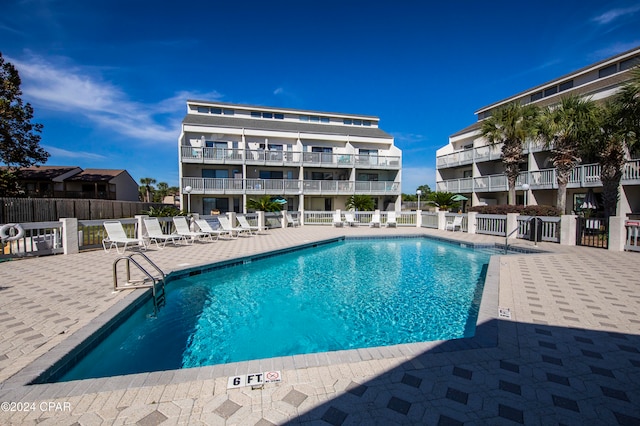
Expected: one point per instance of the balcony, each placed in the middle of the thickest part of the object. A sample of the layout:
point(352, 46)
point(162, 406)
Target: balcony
point(213, 186)
point(583, 176)
point(469, 156)
point(263, 157)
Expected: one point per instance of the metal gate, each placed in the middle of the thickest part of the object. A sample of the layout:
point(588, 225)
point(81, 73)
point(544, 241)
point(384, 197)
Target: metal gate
point(592, 232)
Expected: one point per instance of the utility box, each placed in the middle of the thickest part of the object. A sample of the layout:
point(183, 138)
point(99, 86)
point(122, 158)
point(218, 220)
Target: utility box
point(535, 229)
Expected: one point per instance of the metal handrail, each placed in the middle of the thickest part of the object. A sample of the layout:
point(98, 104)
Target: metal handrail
point(149, 282)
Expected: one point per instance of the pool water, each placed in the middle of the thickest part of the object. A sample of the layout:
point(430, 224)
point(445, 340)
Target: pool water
point(343, 295)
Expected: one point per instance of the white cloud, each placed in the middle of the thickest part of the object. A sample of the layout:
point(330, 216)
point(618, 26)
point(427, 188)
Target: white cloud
point(278, 91)
point(614, 14)
point(59, 152)
point(614, 49)
point(78, 91)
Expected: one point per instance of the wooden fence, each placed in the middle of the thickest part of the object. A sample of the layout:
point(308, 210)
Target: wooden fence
point(21, 210)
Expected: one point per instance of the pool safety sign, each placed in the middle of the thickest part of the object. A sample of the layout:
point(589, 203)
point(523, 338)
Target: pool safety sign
point(254, 379)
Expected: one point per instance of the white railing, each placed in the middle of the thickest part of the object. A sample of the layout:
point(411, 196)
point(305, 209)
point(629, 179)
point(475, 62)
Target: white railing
point(430, 220)
point(318, 218)
point(465, 220)
point(491, 224)
point(40, 238)
point(288, 186)
point(550, 227)
point(633, 235)
point(586, 175)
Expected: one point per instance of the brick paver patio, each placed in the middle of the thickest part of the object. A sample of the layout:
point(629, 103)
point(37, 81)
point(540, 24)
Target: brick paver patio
point(568, 354)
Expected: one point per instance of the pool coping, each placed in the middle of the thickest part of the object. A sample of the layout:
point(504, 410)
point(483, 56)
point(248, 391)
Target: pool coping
point(27, 382)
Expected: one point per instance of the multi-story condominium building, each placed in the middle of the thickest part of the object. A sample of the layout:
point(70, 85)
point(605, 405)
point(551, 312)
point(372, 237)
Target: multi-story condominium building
point(314, 160)
point(468, 165)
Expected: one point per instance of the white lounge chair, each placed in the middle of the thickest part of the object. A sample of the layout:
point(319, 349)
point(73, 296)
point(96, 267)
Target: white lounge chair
point(391, 220)
point(226, 225)
point(337, 220)
point(206, 227)
point(244, 224)
point(116, 235)
point(451, 225)
point(292, 221)
point(350, 219)
point(375, 221)
point(155, 234)
point(182, 228)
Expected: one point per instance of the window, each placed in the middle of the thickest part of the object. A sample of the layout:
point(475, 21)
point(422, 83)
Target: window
point(228, 112)
point(216, 111)
point(278, 116)
point(566, 85)
point(536, 96)
point(607, 71)
point(324, 119)
point(270, 174)
point(203, 110)
point(215, 173)
point(369, 177)
point(304, 118)
point(357, 122)
point(366, 123)
point(629, 63)
point(347, 121)
point(551, 91)
point(256, 114)
point(267, 115)
point(314, 118)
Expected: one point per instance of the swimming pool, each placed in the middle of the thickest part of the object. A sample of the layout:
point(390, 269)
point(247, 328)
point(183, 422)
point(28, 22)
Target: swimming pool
point(343, 295)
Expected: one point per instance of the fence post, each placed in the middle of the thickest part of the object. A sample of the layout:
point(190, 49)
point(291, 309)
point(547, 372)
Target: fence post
point(511, 225)
point(418, 218)
point(617, 233)
point(232, 218)
point(140, 226)
point(261, 223)
point(442, 220)
point(568, 229)
point(70, 240)
point(471, 222)
point(285, 221)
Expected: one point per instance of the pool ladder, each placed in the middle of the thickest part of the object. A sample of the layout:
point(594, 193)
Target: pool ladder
point(154, 282)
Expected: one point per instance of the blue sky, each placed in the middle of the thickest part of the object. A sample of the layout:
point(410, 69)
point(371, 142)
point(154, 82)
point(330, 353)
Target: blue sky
point(109, 79)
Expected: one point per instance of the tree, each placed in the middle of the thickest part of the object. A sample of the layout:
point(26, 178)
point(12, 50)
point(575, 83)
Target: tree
point(565, 128)
point(264, 204)
point(360, 202)
point(511, 126)
point(442, 200)
point(162, 191)
point(413, 197)
point(147, 188)
point(19, 138)
point(618, 136)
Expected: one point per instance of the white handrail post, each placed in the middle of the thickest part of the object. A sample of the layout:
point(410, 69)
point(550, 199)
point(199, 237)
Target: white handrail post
point(617, 233)
point(568, 229)
point(471, 222)
point(70, 238)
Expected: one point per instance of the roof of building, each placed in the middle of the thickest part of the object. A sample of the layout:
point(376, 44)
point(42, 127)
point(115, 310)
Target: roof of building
point(96, 175)
point(619, 77)
point(280, 109)
point(284, 125)
point(44, 172)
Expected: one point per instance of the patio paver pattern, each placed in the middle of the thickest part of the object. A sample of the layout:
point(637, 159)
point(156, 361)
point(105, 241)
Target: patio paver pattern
point(569, 353)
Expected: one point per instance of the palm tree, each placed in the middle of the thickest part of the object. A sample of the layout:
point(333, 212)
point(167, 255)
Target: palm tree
point(565, 128)
point(147, 182)
point(264, 204)
point(442, 200)
point(161, 191)
point(620, 129)
point(511, 125)
point(360, 202)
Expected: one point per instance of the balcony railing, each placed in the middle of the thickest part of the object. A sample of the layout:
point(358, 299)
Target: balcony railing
point(288, 186)
point(291, 158)
point(583, 176)
point(483, 153)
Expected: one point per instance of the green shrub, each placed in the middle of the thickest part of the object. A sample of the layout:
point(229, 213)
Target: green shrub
point(503, 209)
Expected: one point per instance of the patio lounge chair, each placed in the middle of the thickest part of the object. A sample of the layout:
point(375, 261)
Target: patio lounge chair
point(226, 225)
point(337, 220)
point(292, 221)
point(182, 228)
point(350, 219)
point(116, 235)
point(391, 220)
point(155, 234)
point(451, 225)
point(208, 229)
point(244, 224)
point(375, 221)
